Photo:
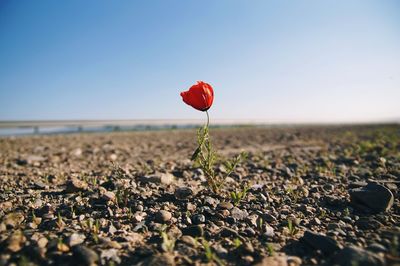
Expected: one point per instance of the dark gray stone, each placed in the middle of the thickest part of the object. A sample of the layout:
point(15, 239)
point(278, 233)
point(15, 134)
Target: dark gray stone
point(198, 219)
point(350, 256)
point(321, 242)
point(375, 197)
point(84, 255)
point(183, 193)
point(195, 231)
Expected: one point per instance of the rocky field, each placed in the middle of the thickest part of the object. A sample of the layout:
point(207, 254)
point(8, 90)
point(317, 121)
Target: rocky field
point(303, 196)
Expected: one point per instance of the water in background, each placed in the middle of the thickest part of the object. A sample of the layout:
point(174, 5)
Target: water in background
point(24, 131)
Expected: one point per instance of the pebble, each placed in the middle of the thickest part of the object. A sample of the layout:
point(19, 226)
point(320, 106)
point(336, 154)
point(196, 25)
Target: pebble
point(198, 219)
point(109, 196)
point(268, 231)
point(272, 261)
point(321, 242)
point(14, 219)
point(225, 205)
point(75, 185)
point(187, 239)
point(250, 232)
point(373, 196)
point(160, 178)
point(16, 241)
point(110, 255)
point(84, 255)
point(269, 218)
point(210, 201)
point(163, 216)
point(228, 232)
point(194, 230)
point(375, 247)
point(40, 185)
point(238, 214)
point(183, 193)
point(352, 255)
point(75, 239)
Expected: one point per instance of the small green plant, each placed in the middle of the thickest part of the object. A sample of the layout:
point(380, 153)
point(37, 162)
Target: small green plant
point(60, 223)
point(206, 158)
point(168, 243)
point(122, 197)
point(238, 196)
point(346, 212)
point(237, 243)
point(93, 227)
point(210, 255)
point(73, 214)
point(292, 229)
point(270, 249)
point(130, 213)
point(322, 214)
point(260, 224)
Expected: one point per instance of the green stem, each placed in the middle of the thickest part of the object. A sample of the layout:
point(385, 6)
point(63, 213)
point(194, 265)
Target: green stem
point(208, 119)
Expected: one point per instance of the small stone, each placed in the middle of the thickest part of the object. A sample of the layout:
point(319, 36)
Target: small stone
point(228, 232)
point(194, 230)
point(374, 196)
point(238, 214)
point(37, 203)
point(212, 202)
point(35, 159)
point(268, 218)
point(160, 178)
point(5, 205)
point(248, 260)
point(16, 241)
point(77, 152)
point(333, 226)
point(375, 247)
point(250, 232)
point(42, 242)
point(163, 216)
point(293, 261)
point(13, 219)
point(272, 261)
point(188, 240)
point(321, 242)
point(182, 193)
point(40, 185)
point(317, 221)
point(109, 196)
point(85, 255)
point(225, 205)
point(350, 256)
point(110, 255)
point(164, 259)
point(268, 231)
point(75, 239)
point(198, 219)
point(328, 187)
point(368, 223)
point(75, 185)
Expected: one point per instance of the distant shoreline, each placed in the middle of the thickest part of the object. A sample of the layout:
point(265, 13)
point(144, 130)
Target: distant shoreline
point(49, 127)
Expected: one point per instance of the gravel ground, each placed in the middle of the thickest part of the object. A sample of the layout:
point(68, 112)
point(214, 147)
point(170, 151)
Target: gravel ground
point(321, 195)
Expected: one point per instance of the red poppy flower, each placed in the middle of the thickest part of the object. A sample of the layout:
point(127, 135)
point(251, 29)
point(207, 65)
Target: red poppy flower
point(200, 96)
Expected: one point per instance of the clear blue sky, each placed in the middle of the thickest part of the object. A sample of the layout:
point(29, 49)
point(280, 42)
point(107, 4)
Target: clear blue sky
point(281, 61)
